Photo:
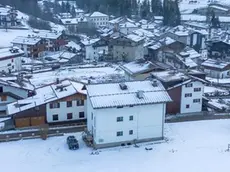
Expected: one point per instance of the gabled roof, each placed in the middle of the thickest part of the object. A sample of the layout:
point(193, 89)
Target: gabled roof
point(138, 67)
point(26, 40)
point(47, 94)
point(215, 64)
point(98, 14)
point(6, 53)
point(25, 85)
point(162, 42)
point(46, 34)
point(111, 95)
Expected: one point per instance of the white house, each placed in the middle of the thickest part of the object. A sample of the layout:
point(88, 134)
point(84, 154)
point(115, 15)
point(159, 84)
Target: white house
point(127, 48)
point(63, 101)
point(13, 90)
point(10, 59)
point(93, 48)
point(99, 19)
point(32, 46)
point(216, 68)
point(126, 113)
point(185, 89)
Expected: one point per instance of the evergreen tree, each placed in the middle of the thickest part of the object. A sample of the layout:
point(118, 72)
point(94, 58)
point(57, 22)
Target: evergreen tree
point(171, 13)
point(73, 12)
point(156, 7)
point(145, 9)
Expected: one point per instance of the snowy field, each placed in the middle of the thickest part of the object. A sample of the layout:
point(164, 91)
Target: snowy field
point(191, 147)
point(94, 74)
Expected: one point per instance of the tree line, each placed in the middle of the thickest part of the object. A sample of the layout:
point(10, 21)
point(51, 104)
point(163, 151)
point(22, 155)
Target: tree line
point(144, 9)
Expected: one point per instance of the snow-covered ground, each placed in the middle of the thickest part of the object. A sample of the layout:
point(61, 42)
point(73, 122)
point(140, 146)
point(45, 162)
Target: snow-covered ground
point(8, 36)
point(94, 74)
point(209, 89)
point(191, 146)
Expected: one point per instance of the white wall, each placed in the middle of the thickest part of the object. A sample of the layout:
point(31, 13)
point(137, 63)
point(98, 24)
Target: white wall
point(217, 74)
point(147, 123)
point(14, 64)
point(194, 107)
point(131, 53)
point(92, 53)
point(63, 110)
point(100, 21)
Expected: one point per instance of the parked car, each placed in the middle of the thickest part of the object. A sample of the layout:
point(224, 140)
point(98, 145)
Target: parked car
point(72, 143)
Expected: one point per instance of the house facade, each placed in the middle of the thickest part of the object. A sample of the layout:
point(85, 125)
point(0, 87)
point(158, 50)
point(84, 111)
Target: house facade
point(129, 116)
point(139, 69)
point(216, 68)
point(93, 48)
point(63, 101)
point(99, 19)
point(11, 91)
point(31, 45)
point(126, 48)
point(54, 40)
point(185, 90)
point(10, 59)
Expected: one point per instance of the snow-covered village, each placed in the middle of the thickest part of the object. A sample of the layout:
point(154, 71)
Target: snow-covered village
point(115, 85)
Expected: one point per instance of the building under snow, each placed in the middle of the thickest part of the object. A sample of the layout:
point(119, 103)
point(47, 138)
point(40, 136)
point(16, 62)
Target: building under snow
point(126, 113)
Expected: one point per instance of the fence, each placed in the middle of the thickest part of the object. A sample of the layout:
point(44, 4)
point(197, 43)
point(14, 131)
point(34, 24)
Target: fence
point(37, 133)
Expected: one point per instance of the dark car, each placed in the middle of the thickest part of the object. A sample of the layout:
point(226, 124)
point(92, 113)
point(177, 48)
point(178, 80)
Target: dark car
point(72, 143)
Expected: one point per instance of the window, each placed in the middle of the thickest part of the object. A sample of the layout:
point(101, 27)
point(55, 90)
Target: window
point(4, 98)
point(80, 102)
point(91, 116)
point(120, 133)
point(131, 118)
point(81, 115)
point(69, 103)
point(130, 132)
point(196, 100)
point(1, 89)
point(188, 95)
point(55, 117)
point(69, 116)
point(119, 119)
point(197, 89)
point(54, 105)
point(187, 106)
point(188, 85)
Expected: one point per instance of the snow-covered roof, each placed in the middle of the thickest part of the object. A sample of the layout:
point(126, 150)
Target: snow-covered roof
point(46, 94)
point(25, 85)
point(169, 75)
point(10, 52)
point(89, 41)
point(138, 66)
point(60, 55)
point(73, 21)
point(72, 44)
point(219, 7)
point(134, 38)
point(128, 25)
point(4, 11)
point(121, 20)
point(162, 42)
point(144, 33)
point(26, 40)
point(215, 64)
point(46, 34)
point(98, 14)
point(111, 95)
